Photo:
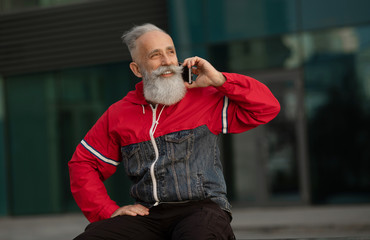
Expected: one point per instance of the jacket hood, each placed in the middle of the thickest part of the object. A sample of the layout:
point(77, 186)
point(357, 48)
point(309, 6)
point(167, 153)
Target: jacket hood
point(137, 96)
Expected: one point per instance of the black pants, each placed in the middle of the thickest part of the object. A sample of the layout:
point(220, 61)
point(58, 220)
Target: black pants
point(193, 220)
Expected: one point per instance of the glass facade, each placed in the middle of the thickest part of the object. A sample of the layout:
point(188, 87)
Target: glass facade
point(338, 112)
point(3, 163)
point(48, 114)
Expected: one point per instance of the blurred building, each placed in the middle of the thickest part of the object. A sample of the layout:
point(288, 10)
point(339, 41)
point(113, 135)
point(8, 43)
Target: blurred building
point(62, 64)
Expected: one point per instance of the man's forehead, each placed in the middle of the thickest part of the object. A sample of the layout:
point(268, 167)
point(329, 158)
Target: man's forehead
point(155, 40)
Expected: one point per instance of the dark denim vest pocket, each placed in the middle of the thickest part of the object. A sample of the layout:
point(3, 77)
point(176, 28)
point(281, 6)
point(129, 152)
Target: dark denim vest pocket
point(179, 145)
point(132, 160)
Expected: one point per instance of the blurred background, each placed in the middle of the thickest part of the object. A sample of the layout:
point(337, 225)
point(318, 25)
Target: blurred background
point(62, 63)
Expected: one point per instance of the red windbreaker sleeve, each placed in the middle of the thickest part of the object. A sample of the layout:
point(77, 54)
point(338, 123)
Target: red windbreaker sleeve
point(246, 104)
point(95, 160)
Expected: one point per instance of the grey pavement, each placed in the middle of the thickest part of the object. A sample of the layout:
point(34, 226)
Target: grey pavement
point(325, 222)
point(312, 222)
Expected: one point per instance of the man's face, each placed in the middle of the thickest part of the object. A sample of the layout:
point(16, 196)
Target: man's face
point(155, 49)
point(155, 61)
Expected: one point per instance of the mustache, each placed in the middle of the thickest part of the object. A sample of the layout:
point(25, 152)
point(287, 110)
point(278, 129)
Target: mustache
point(162, 69)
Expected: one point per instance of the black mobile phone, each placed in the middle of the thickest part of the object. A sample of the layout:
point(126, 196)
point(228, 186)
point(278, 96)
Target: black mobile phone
point(187, 75)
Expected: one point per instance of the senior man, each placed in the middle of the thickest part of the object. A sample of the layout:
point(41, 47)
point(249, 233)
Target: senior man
point(165, 133)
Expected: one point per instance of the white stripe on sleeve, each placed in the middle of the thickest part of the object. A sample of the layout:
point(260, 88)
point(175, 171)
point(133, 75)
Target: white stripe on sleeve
point(224, 115)
point(98, 155)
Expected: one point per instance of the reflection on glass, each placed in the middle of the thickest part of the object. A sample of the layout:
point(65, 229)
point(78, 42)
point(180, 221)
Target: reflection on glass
point(337, 80)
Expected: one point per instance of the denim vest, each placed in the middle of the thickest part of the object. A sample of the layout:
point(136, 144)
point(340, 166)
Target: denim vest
point(188, 168)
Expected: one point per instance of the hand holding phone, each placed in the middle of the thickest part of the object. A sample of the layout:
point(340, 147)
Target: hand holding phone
point(206, 74)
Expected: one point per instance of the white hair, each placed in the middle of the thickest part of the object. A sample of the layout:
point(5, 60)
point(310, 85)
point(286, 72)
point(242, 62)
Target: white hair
point(134, 33)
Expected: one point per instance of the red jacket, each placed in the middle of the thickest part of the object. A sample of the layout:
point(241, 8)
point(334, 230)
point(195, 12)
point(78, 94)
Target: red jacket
point(240, 104)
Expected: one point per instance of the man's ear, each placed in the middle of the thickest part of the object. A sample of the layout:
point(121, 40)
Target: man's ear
point(135, 69)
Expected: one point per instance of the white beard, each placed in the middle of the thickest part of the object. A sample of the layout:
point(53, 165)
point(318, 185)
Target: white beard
point(166, 91)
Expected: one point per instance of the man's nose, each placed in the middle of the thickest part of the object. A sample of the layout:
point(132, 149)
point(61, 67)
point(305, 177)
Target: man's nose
point(166, 60)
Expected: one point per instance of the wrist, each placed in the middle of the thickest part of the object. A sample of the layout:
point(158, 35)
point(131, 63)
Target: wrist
point(221, 79)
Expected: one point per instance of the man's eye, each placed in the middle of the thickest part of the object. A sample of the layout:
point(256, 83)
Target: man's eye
point(154, 55)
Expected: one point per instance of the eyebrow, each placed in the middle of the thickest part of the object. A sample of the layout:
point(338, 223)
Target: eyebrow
point(158, 50)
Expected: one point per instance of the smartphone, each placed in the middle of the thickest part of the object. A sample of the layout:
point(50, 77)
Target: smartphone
point(187, 75)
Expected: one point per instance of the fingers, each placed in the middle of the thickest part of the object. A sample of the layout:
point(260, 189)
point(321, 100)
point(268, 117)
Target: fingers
point(131, 210)
point(194, 84)
point(195, 61)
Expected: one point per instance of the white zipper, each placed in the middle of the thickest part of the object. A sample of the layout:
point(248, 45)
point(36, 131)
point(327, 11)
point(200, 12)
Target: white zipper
point(151, 133)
